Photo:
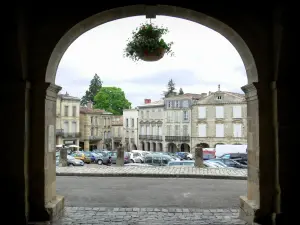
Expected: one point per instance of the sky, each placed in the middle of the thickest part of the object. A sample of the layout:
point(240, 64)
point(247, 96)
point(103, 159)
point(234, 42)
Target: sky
point(203, 59)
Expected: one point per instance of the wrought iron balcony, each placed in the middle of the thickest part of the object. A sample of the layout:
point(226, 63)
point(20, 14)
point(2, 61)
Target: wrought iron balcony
point(71, 134)
point(156, 137)
point(117, 138)
point(143, 137)
point(95, 138)
point(59, 132)
point(177, 138)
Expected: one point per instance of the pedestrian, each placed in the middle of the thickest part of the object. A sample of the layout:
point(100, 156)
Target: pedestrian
point(109, 161)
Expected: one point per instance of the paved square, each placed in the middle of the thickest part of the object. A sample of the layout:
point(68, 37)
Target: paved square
point(164, 171)
point(145, 216)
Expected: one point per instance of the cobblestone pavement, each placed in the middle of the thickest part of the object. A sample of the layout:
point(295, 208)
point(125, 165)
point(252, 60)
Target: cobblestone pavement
point(225, 173)
point(145, 216)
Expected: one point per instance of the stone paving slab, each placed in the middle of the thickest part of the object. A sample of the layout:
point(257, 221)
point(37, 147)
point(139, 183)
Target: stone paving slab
point(145, 216)
point(184, 172)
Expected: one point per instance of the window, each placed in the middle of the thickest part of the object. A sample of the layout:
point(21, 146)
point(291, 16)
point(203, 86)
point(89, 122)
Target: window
point(147, 114)
point(237, 130)
point(91, 120)
point(185, 115)
point(177, 104)
point(219, 112)
point(219, 97)
point(177, 131)
point(74, 111)
point(185, 104)
point(159, 131)
point(66, 110)
point(168, 130)
point(147, 130)
point(142, 130)
point(142, 114)
point(237, 111)
point(126, 122)
point(185, 130)
point(156, 160)
point(202, 130)
point(132, 122)
point(169, 104)
point(66, 127)
point(74, 127)
point(219, 130)
point(148, 160)
point(202, 112)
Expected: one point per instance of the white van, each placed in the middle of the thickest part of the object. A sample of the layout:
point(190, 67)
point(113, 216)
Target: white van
point(224, 149)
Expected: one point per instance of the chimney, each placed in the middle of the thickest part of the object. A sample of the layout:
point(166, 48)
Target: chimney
point(147, 100)
point(90, 105)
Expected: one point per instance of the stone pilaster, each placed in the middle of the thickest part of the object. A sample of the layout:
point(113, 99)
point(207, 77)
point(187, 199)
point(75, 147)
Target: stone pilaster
point(258, 204)
point(44, 203)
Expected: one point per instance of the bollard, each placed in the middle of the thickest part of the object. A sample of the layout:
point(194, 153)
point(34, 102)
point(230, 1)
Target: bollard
point(63, 159)
point(120, 155)
point(199, 157)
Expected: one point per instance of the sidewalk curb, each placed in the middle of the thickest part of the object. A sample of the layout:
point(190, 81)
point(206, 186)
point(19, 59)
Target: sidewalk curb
point(199, 176)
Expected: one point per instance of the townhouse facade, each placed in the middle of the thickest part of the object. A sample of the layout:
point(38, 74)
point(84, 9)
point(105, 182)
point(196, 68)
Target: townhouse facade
point(219, 118)
point(117, 131)
point(131, 129)
point(181, 122)
point(151, 119)
point(178, 122)
point(95, 128)
point(67, 120)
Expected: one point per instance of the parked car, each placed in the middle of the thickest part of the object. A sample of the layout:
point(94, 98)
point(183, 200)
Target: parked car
point(73, 161)
point(81, 156)
point(158, 159)
point(138, 156)
point(229, 163)
point(190, 163)
point(113, 155)
point(239, 157)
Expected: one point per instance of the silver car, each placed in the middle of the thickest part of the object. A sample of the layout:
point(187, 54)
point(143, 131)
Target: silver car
point(74, 162)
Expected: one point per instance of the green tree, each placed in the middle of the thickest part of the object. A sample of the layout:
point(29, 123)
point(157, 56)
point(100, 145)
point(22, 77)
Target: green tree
point(94, 88)
point(180, 92)
point(170, 89)
point(112, 99)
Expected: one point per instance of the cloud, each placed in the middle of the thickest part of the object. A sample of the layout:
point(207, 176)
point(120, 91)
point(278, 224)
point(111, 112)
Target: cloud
point(203, 59)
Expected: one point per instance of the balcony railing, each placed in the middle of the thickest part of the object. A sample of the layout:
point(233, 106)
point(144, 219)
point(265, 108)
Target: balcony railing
point(95, 138)
point(151, 137)
point(71, 134)
point(178, 138)
point(59, 132)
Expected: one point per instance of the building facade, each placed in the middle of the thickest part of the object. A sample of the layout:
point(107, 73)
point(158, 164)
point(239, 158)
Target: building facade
point(67, 120)
point(177, 122)
point(151, 119)
point(131, 128)
point(117, 131)
point(95, 128)
point(219, 118)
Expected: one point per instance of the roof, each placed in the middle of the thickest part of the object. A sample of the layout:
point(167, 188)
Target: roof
point(187, 95)
point(68, 97)
point(86, 110)
point(155, 103)
point(227, 98)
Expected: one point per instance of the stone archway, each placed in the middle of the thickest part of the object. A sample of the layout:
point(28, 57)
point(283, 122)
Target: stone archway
point(191, 15)
point(133, 147)
point(219, 144)
point(172, 147)
point(204, 145)
point(154, 146)
point(142, 144)
point(185, 147)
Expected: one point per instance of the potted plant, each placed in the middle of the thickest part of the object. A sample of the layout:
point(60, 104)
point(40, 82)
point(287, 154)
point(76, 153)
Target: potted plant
point(147, 44)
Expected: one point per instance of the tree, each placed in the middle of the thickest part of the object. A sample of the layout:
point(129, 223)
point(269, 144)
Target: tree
point(94, 88)
point(180, 92)
point(170, 89)
point(112, 99)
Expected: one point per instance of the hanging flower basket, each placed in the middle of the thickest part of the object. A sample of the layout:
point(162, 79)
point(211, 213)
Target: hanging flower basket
point(147, 44)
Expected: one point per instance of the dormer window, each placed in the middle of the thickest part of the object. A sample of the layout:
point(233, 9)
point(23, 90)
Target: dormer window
point(219, 97)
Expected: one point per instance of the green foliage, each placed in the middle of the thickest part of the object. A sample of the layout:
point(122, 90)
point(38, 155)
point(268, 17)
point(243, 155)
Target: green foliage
point(180, 92)
point(94, 88)
point(170, 89)
point(147, 39)
point(112, 99)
